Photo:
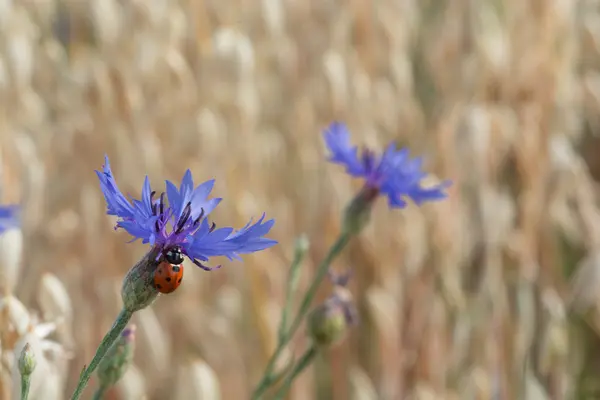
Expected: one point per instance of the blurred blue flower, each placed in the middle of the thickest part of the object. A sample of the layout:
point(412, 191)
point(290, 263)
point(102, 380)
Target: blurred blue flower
point(393, 173)
point(9, 217)
point(181, 226)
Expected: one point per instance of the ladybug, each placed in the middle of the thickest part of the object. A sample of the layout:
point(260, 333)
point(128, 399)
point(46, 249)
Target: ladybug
point(167, 277)
point(169, 272)
point(174, 255)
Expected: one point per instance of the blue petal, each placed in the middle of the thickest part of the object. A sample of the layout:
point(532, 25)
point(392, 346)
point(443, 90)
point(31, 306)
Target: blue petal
point(391, 159)
point(136, 217)
point(186, 189)
point(393, 173)
point(209, 205)
point(421, 195)
point(139, 228)
point(9, 212)
point(337, 139)
point(402, 178)
point(146, 196)
point(116, 203)
point(199, 199)
point(202, 191)
point(225, 242)
point(178, 199)
point(9, 217)
point(175, 200)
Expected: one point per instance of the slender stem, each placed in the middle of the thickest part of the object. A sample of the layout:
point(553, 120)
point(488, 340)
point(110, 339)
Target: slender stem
point(25, 383)
point(292, 283)
point(267, 379)
point(306, 359)
point(109, 339)
point(322, 270)
point(100, 392)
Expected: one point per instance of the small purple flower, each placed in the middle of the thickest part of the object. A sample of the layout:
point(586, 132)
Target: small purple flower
point(181, 226)
point(9, 217)
point(393, 173)
point(342, 297)
point(128, 334)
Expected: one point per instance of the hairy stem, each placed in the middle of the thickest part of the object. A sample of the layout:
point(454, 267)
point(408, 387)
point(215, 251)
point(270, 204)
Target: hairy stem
point(109, 339)
point(25, 383)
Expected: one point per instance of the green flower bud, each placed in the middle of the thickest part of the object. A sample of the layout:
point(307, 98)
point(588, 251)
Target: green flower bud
point(138, 290)
point(301, 245)
point(118, 358)
point(27, 361)
point(358, 213)
point(327, 324)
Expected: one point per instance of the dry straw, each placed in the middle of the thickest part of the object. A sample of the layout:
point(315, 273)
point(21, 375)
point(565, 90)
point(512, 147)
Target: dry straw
point(470, 298)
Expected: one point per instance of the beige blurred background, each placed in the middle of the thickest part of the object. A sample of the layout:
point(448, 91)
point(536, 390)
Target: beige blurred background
point(470, 298)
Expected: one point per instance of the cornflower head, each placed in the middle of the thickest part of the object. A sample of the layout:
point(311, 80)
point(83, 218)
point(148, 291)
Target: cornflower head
point(9, 217)
point(175, 224)
point(392, 174)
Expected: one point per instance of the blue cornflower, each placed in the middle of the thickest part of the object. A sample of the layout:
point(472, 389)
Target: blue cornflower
point(9, 217)
point(392, 174)
point(181, 226)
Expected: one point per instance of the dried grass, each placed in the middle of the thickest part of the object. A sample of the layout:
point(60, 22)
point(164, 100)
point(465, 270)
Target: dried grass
point(464, 299)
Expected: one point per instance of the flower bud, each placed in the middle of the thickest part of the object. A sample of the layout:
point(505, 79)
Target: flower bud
point(118, 358)
point(301, 245)
point(358, 213)
point(327, 324)
point(27, 361)
point(138, 290)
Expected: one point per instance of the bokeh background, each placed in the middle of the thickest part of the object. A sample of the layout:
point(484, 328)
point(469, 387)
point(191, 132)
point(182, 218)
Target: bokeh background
point(491, 294)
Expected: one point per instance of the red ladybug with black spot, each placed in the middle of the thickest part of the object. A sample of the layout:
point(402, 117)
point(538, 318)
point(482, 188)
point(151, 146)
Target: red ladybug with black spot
point(169, 273)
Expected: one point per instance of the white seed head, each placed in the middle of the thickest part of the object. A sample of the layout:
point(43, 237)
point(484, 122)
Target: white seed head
point(11, 251)
point(55, 303)
point(132, 385)
point(197, 380)
point(17, 315)
point(53, 298)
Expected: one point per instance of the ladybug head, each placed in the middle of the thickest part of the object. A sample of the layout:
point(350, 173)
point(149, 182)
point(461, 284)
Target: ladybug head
point(174, 255)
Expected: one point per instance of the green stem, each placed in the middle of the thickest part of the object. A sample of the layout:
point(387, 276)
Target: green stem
point(25, 383)
point(322, 270)
point(306, 359)
point(267, 379)
point(100, 392)
point(109, 339)
point(292, 283)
